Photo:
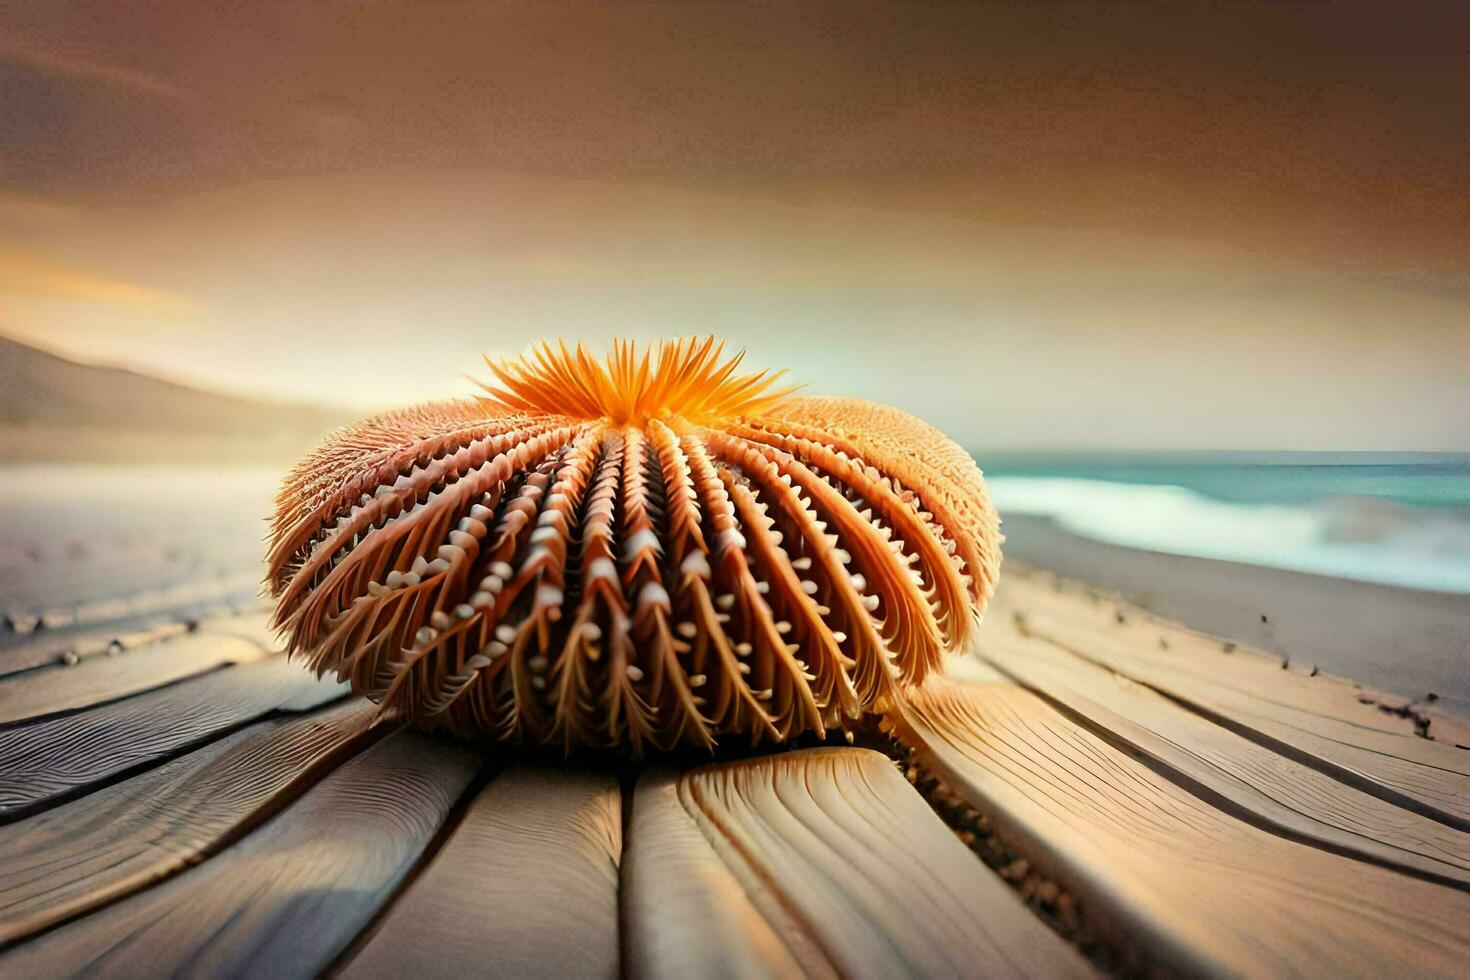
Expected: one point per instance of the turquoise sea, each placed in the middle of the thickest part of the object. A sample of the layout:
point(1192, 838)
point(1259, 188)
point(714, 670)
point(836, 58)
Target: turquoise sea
point(1394, 518)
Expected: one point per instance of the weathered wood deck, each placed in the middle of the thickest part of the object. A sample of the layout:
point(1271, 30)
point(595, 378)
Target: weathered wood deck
point(176, 798)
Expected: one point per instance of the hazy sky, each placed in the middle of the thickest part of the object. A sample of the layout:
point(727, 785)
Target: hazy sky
point(1065, 225)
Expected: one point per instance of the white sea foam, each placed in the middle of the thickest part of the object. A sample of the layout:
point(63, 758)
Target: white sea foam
point(1347, 537)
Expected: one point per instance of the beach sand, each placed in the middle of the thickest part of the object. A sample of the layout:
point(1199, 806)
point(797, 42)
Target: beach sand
point(1401, 640)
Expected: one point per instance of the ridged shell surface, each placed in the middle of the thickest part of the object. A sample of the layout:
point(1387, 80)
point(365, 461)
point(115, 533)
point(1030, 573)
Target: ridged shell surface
point(642, 552)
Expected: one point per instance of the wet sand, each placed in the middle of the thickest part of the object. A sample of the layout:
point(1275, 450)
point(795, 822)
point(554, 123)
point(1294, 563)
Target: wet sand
point(1401, 640)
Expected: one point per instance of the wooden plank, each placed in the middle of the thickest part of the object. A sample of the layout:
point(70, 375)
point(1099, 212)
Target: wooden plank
point(241, 615)
point(50, 648)
point(1409, 641)
point(287, 898)
point(854, 873)
point(124, 837)
point(1174, 880)
point(47, 761)
point(684, 913)
point(526, 886)
point(1236, 665)
point(1261, 785)
point(254, 626)
point(53, 690)
point(1315, 720)
point(74, 604)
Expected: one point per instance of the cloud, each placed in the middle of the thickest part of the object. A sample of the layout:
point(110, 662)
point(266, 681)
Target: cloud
point(70, 65)
point(28, 274)
point(28, 213)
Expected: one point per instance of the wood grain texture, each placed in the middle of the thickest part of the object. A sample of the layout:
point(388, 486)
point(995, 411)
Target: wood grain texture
point(88, 592)
point(527, 886)
point(853, 873)
point(50, 648)
point(253, 626)
point(1396, 639)
point(287, 898)
point(1183, 885)
point(684, 912)
point(1239, 665)
point(52, 690)
point(52, 759)
point(1317, 720)
point(1256, 783)
point(87, 629)
point(238, 613)
point(127, 836)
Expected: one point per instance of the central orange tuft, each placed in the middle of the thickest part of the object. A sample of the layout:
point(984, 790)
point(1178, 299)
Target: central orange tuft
point(650, 550)
point(684, 378)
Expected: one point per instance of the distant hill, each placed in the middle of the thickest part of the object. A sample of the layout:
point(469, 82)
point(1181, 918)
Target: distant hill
point(55, 409)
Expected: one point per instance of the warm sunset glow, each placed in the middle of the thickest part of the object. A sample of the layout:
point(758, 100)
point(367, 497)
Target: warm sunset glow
point(952, 211)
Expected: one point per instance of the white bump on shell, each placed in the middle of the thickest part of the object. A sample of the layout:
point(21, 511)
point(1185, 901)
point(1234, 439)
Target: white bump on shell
point(644, 539)
point(695, 564)
point(603, 568)
point(653, 593)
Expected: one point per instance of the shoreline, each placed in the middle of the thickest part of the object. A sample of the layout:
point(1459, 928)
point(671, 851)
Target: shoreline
point(1410, 642)
point(40, 445)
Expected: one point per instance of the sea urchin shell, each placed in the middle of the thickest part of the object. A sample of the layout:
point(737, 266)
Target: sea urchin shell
point(649, 551)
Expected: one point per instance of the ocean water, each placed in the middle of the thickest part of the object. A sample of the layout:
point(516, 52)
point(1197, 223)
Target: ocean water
point(1394, 518)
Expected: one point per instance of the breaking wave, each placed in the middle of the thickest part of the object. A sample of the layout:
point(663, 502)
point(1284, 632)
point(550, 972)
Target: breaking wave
point(1363, 538)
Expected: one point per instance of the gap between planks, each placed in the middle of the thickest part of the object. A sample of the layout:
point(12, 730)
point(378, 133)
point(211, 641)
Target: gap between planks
point(126, 671)
point(1319, 722)
point(131, 835)
point(524, 878)
point(285, 899)
point(1176, 882)
point(718, 807)
point(824, 862)
point(46, 762)
point(1234, 773)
